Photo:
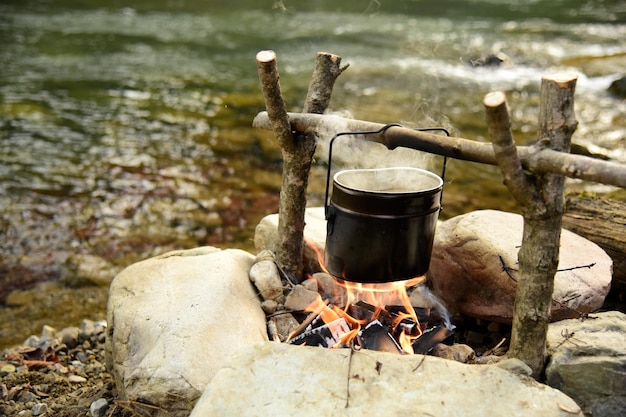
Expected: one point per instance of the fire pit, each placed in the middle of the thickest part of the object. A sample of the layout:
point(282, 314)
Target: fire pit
point(380, 230)
point(375, 316)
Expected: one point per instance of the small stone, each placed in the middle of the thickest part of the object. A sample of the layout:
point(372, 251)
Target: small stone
point(39, 409)
point(48, 331)
point(60, 368)
point(515, 365)
point(69, 336)
point(99, 327)
point(7, 369)
point(459, 353)
point(489, 359)
point(26, 397)
point(329, 289)
point(285, 324)
point(310, 284)
point(32, 341)
point(299, 298)
point(269, 306)
point(86, 329)
point(265, 255)
point(266, 278)
point(82, 357)
point(99, 408)
point(76, 379)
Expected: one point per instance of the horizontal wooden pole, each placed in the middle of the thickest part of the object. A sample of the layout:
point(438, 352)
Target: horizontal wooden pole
point(534, 158)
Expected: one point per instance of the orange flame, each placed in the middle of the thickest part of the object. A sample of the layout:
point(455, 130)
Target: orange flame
point(379, 295)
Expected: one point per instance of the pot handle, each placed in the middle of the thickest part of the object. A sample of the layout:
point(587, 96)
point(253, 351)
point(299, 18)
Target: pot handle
point(373, 132)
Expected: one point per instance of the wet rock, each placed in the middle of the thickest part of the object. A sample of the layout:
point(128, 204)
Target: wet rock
point(473, 252)
point(618, 87)
point(489, 60)
point(174, 318)
point(266, 278)
point(587, 361)
point(86, 269)
point(380, 384)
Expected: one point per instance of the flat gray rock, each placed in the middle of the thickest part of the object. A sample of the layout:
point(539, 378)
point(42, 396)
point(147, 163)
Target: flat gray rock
point(587, 360)
point(274, 379)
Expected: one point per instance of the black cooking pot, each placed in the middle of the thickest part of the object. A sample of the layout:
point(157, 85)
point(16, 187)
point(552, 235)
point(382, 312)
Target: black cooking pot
point(381, 223)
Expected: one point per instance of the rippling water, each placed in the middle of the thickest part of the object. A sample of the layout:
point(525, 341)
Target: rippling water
point(125, 130)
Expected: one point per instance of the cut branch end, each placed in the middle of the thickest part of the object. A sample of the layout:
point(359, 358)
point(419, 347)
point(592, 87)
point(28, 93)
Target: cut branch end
point(494, 99)
point(266, 56)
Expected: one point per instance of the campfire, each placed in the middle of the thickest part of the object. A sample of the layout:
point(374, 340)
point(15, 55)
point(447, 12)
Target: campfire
point(374, 316)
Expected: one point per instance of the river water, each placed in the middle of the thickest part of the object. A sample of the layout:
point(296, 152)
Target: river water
point(126, 129)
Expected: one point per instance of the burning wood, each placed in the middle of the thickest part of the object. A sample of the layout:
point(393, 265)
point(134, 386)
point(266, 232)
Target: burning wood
point(368, 322)
point(399, 317)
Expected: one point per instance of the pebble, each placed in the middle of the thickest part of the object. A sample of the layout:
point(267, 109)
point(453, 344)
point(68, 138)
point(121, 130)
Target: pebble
point(70, 383)
point(82, 357)
point(69, 336)
point(266, 278)
point(87, 328)
point(269, 306)
point(515, 365)
point(299, 298)
point(458, 352)
point(32, 341)
point(7, 369)
point(48, 331)
point(26, 397)
point(76, 379)
point(310, 284)
point(39, 409)
point(99, 408)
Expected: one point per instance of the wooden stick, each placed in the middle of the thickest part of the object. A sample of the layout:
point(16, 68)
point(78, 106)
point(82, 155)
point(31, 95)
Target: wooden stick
point(297, 151)
point(499, 129)
point(542, 207)
point(327, 69)
point(270, 86)
point(537, 158)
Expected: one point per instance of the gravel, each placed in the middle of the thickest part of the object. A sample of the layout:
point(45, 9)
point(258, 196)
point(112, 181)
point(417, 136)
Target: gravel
point(60, 373)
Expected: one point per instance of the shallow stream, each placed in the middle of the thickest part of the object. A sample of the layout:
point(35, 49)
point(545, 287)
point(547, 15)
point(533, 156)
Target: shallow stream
point(125, 131)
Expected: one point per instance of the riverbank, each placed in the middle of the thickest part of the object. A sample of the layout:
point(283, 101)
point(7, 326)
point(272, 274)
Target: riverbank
point(59, 373)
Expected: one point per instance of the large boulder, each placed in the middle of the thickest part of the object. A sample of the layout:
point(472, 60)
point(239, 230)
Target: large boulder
point(274, 379)
point(172, 321)
point(587, 360)
point(474, 267)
